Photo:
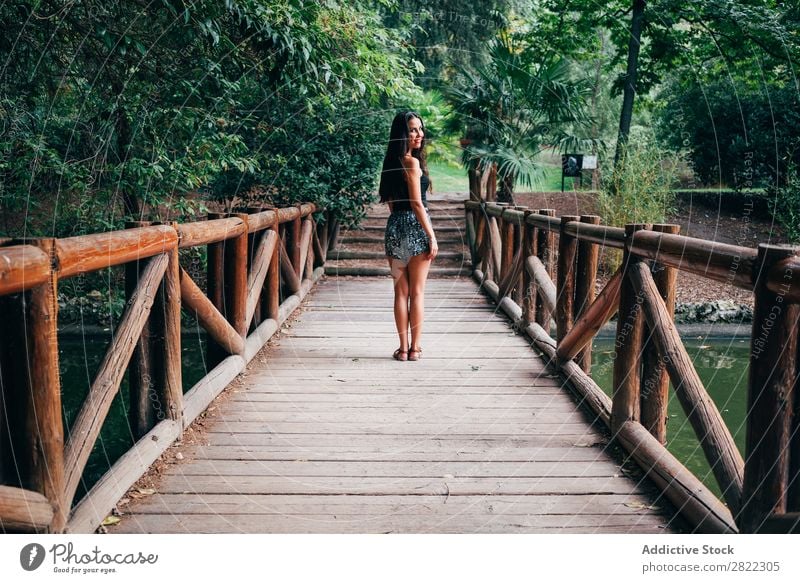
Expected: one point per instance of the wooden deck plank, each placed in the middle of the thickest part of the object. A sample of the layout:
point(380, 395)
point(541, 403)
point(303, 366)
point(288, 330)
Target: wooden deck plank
point(347, 505)
point(331, 524)
point(410, 453)
point(455, 486)
point(326, 433)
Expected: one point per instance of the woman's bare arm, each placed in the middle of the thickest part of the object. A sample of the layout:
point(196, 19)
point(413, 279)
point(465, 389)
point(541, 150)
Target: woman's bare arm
point(413, 173)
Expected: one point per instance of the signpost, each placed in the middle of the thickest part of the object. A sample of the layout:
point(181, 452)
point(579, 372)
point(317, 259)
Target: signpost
point(572, 166)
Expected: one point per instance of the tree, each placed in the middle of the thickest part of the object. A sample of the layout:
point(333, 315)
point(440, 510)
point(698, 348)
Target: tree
point(143, 105)
point(447, 34)
point(508, 110)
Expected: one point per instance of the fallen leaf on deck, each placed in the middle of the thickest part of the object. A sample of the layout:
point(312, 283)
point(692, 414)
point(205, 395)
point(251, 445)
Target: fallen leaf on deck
point(641, 506)
point(111, 520)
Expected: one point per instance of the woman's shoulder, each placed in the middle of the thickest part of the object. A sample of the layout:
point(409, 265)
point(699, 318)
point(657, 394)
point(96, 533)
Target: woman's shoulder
point(409, 162)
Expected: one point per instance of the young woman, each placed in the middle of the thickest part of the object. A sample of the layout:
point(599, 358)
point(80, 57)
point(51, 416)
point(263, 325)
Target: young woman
point(410, 241)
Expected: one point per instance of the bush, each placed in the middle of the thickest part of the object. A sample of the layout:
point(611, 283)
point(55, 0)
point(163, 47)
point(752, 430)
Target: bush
point(331, 160)
point(732, 131)
point(785, 201)
point(639, 190)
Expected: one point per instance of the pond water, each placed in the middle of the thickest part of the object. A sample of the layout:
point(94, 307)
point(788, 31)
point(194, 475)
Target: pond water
point(721, 363)
point(79, 359)
point(723, 367)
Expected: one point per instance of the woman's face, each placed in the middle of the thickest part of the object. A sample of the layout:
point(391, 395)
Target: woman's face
point(415, 133)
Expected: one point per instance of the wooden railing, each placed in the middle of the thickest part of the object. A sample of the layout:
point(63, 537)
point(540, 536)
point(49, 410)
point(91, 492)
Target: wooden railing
point(260, 265)
point(515, 253)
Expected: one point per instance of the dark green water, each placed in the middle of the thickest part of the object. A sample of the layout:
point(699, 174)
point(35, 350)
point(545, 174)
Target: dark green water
point(723, 366)
point(79, 358)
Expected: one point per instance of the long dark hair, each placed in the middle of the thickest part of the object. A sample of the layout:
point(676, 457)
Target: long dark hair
point(393, 185)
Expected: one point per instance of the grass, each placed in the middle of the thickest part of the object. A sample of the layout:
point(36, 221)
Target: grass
point(453, 178)
point(448, 177)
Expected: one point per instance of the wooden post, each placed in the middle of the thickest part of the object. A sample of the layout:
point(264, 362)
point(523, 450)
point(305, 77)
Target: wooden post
point(472, 236)
point(507, 232)
point(215, 286)
point(655, 378)
point(319, 249)
point(143, 397)
point(293, 245)
point(32, 389)
point(44, 421)
point(491, 184)
point(518, 286)
point(272, 289)
point(324, 237)
point(333, 234)
point(528, 283)
point(565, 302)
point(770, 394)
point(236, 280)
point(546, 249)
point(252, 239)
point(588, 255)
point(171, 375)
point(628, 343)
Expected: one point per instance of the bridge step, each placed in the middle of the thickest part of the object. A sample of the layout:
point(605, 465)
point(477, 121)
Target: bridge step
point(346, 254)
point(359, 238)
point(368, 270)
point(361, 251)
point(381, 228)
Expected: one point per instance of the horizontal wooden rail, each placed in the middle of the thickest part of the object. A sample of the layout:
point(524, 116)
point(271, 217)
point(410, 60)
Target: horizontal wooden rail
point(87, 253)
point(24, 510)
point(212, 231)
point(22, 267)
point(607, 236)
point(729, 264)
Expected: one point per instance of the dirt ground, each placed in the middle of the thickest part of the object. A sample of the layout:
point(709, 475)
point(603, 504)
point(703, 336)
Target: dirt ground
point(732, 226)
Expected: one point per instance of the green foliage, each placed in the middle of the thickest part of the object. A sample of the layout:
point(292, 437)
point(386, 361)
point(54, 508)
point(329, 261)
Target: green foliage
point(729, 130)
point(312, 157)
point(115, 110)
point(448, 34)
point(521, 101)
point(785, 201)
point(640, 188)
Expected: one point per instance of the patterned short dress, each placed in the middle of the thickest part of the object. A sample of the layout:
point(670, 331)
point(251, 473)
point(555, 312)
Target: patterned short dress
point(405, 237)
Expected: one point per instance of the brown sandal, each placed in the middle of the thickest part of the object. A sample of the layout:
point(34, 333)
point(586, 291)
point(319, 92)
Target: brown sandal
point(417, 352)
point(401, 355)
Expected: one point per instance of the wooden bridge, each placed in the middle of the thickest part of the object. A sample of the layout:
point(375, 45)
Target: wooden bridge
point(499, 428)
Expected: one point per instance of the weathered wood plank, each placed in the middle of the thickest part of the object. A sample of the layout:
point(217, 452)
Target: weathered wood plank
point(398, 469)
point(347, 505)
point(220, 523)
point(181, 483)
point(412, 452)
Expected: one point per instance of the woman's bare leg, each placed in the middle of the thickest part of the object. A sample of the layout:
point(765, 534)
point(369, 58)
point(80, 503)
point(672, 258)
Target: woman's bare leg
point(418, 267)
point(400, 276)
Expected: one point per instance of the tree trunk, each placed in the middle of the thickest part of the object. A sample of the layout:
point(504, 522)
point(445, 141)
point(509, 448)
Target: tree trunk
point(506, 192)
point(133, 209)
point(629, 91)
